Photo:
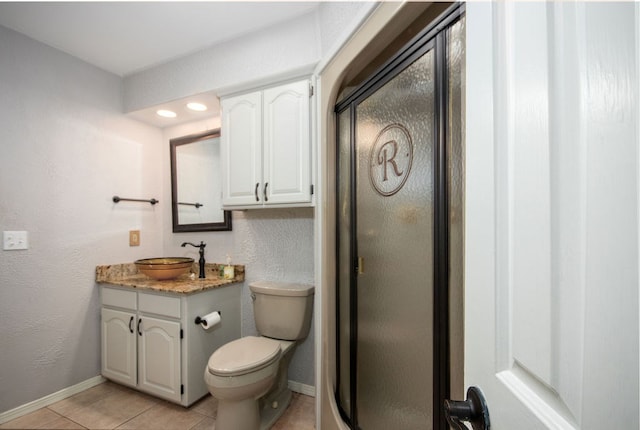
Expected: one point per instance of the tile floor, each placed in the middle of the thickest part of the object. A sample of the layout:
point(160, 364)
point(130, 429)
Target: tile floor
point(112, 406)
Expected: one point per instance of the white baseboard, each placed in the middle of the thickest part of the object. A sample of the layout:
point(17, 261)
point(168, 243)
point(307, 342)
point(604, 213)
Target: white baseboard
point(50, 399)
point(308, 390)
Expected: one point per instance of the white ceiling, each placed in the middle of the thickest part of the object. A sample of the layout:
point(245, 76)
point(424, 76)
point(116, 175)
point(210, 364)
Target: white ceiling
point(126, 37)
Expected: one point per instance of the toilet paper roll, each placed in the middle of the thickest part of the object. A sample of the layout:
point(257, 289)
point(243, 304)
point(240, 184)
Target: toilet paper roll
point(210, 320)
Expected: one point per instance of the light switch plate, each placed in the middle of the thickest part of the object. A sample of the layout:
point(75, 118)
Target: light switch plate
point(14, 240)
point(134, 237)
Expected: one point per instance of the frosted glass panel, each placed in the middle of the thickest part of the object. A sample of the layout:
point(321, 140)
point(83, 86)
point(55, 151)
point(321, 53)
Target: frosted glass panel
point(344, 259)
point(394, 151)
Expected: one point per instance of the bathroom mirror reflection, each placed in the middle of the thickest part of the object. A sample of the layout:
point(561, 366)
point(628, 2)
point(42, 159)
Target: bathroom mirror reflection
point(196, 184)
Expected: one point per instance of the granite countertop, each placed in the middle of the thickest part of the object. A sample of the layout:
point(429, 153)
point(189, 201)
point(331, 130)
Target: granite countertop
point(127, 275)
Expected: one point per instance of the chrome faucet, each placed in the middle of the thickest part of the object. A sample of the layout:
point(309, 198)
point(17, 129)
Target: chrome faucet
point(201, 261)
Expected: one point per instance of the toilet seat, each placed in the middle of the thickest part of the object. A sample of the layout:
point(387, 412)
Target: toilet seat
point(244, 355)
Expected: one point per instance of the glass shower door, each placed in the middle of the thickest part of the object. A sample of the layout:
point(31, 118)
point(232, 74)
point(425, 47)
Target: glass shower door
point(399, 250)
point(394, 144)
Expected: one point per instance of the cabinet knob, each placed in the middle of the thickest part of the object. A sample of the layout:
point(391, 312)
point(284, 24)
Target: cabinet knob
point(131, 325)
point(266, 199)
point(256, 191)
point(138, 327)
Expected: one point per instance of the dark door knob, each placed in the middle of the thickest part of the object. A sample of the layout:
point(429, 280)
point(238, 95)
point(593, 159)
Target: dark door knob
point(473, 410)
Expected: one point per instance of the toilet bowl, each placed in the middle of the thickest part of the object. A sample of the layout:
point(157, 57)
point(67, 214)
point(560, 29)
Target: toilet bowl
point(249, 376)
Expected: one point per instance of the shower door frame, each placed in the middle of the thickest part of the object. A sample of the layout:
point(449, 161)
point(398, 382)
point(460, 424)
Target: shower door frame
point(433, 37)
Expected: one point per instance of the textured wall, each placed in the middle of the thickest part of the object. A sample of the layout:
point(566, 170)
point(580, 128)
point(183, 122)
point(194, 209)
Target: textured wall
point(337, 21)
point(66, 150)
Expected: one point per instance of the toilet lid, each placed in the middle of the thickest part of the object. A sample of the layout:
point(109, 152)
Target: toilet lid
point(244, 355)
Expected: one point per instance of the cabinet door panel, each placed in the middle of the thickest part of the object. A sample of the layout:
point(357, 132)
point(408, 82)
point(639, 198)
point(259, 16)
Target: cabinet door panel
point(287, 146)
point(159, 358)
point(119, 346)
point(241, 149)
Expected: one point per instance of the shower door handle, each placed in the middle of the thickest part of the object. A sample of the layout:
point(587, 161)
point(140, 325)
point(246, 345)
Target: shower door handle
point(474, 410)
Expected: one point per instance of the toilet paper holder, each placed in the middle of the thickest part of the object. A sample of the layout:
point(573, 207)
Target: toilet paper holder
point(199, 320)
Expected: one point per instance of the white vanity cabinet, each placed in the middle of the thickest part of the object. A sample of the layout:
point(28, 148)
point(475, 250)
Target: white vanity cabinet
point(150, 340)
point(266, 147)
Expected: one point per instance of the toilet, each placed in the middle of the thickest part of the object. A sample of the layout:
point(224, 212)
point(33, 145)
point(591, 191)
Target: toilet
point(249, 376)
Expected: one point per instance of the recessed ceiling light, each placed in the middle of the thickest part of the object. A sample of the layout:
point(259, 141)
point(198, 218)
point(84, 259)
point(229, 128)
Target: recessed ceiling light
point(166, 113)
point(198, 107)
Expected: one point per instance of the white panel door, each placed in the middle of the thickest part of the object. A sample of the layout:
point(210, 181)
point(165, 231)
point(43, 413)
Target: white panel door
point(159, 357)
point(287, 144)
point(241, 149)
point(551, 278)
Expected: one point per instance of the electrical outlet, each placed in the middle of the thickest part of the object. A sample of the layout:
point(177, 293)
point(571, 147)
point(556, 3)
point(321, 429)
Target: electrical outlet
point(14, 240)
point(134, 237)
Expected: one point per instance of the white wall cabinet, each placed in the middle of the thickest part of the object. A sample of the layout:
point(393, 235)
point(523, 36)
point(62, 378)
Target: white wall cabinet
point(150, 340)
point(266, 147)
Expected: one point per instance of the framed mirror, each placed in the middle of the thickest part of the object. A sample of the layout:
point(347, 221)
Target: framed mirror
point(196, 184)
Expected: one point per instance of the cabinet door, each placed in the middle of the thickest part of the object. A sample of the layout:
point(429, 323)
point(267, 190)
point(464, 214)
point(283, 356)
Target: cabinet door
point(159, 357)
point(287, 144)
point(241, 150)
point(119, 346)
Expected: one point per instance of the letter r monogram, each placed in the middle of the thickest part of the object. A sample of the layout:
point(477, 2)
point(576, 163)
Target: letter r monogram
point(383, 159)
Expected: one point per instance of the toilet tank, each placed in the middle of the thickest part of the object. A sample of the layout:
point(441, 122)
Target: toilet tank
point(282, 310)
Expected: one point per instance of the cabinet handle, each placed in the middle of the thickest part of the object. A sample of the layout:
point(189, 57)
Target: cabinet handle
point(266, 199)
point(138, 328)
point(256, 191)
point(130, 326)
